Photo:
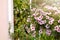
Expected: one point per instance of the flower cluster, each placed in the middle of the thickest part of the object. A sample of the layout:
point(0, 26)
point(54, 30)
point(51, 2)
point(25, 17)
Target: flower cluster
point(45, 18)
point(57, 28)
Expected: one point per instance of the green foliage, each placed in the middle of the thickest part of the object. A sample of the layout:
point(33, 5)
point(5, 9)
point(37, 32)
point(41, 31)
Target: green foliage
point(22, 12)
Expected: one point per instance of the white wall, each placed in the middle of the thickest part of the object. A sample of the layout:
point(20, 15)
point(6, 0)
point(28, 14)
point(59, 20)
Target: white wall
point(3, 20)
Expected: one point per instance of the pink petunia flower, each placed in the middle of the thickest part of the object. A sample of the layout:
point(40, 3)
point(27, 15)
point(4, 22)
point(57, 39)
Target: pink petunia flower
point(59, 21)
point(51, 19)
point(35, 14)
point(58, 30)
point(56, 27)
point(48, 32)
point(42, 22)
point(40, 18)
point(32, 27)
point(47, 26)
point(50, 22)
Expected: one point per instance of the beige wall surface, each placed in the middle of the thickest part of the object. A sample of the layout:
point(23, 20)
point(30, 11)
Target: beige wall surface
point(3, 20)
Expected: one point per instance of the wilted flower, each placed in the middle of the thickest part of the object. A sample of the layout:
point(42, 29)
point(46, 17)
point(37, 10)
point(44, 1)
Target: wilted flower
point(28, 30)
point(25, 26)
point(28, 19)
point(32, 27)
point(47, 26)
point(33, 9)
point(34, 34)
point(35, 14)
point(47, 17)
point(40, 31)
point(48, 32)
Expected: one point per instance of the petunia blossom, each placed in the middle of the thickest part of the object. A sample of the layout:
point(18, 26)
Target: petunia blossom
point(32, 27)
point(47, 26)
point(50, 22)
point(59, 21)
point(48, 32)
point(42, 22)
point(40, 18)
point(56, 27)
point(58, 30)
point(51, 19)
